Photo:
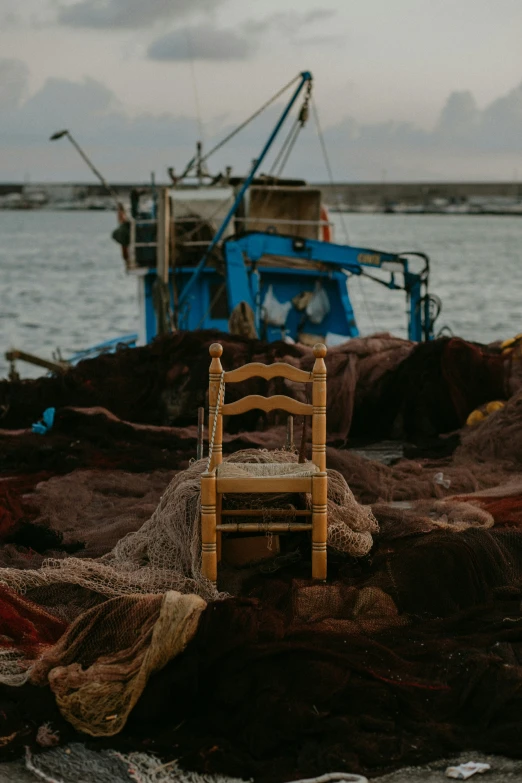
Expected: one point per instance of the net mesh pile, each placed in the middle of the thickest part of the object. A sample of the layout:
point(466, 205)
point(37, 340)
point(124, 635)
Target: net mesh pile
point(101, 665)
point(115, 503)
point(165, 553)
point(77, 762)
point(409, 651)
point(497, 438)
point(378, 386)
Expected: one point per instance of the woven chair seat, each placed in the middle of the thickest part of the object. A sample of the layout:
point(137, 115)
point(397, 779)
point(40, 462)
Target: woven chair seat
point(264, 469)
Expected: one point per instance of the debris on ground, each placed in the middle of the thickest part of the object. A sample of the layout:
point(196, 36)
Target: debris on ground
point(465, 771)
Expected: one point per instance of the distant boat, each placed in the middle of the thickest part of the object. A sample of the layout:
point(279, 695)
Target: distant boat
point(99, 204)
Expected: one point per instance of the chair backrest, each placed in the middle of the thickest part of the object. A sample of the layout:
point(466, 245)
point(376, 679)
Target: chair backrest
point(317, 410)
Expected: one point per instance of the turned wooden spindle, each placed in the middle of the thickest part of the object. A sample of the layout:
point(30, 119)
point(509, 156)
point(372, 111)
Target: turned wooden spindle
point(216, 369)
point(319, 524)
point(319, 480)
point(208, 526)
point(319, 406)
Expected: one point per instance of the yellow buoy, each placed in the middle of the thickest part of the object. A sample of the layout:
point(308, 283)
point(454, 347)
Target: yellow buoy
point(511, 342)
point(497, 405)
point(474, 418)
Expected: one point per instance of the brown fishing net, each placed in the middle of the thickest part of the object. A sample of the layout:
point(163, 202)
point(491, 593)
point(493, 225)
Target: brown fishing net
point(165, 553)
point(378, 386)
point(411, 658)
point(97, 507)
point(405, 519)
point(372, 481)
point(409, 651)
point(101, 665)
point(498, 437)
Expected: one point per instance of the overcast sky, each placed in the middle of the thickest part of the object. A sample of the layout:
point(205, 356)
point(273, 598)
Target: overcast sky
point(406, 89)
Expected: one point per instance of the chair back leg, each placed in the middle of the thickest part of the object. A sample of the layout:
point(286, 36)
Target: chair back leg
point(319, 525)
point(208, 526)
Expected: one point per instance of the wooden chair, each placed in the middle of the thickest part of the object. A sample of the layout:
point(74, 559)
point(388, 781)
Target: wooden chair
point(221, 478)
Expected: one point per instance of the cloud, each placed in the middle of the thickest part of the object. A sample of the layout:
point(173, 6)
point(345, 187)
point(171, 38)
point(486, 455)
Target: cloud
point(87, 100)
point(287, 22)
point(14, 76)
point(336, 39)
point(459, 118)
point(201, 42)
point(207, 42)
point(129, 14)
point(501, 126)
point(13, 13)
point(123, 146)
point(467, 142)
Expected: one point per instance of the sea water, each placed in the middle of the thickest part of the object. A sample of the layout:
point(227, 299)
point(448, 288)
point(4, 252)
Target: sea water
point(63, 284)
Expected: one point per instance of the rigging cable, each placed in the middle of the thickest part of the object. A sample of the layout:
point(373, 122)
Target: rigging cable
point(284, 153)
point(243, 125)
point(195, 84)
point(280, 160)
point(328, 167)
point(300, 122)
point(340, 213)
point(288, 143)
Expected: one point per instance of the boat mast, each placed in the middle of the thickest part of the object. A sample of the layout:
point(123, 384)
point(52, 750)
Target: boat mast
point(305, 79)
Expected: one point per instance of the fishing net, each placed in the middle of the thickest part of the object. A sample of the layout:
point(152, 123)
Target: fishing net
point(77, 762)
point(101, 665)
point(97, 507)
point(503, 503)
point(377, 386)
point(26, 630)
point(165, 553)
point(90, 511)
point(497, 438)
point(396, 521)
point(409, 660)
point(406, 479)
point(295, 677)
point(410, 650)
point(434, 390)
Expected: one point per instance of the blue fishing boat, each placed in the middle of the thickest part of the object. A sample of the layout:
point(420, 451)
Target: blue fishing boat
point(255, 255)
point(252, 255)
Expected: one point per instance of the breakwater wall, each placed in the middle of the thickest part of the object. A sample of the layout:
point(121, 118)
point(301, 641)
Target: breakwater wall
point(350, 195)
point(381, 194)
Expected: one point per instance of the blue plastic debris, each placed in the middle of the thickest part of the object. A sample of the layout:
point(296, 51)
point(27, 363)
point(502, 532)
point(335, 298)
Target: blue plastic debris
point(45, 424)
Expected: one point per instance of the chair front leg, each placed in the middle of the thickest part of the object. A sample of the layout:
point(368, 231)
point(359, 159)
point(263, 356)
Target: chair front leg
point(208, 526)
point(319, 525)
point(219, 508)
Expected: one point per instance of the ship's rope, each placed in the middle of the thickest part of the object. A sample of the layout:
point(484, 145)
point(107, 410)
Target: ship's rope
point(329, 169)
point(280, 160)
point(286, 147)
point(240, 127)
point(327, 163)
point(284, 153)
